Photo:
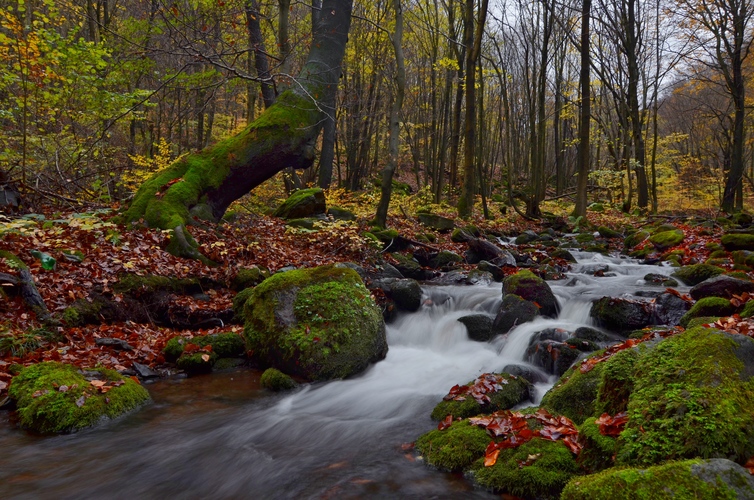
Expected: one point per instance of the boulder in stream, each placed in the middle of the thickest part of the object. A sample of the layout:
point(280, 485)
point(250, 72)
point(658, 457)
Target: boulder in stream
point(721, 286)
point(54, 398)
point(488, 393)
point(534, 289)
point(478, 326)
point(317, 324)
point(621, 315)
point(513, 311)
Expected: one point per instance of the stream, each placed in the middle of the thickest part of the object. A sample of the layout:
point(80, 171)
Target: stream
point(222, 436)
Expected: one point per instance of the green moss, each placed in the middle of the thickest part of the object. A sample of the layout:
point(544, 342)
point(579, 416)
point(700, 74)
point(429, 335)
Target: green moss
point(544, 478)
point(599, 451)
point(702, 320)
point(696, 273)
point(197, 362)
point(249, 277)
point(738, 241)
point(240, 299)
point(329, 328)
point(575, 394)
point(585, 237)
point(446, 259)
point(225, 345)
point(666, 239)
point(748, 310)
point(616, 382)
point(634, 239)
point(13, 260)
point(455, 448)
point(673, 480)
point(302, 203)
point(606, 232)
point(690, 399)
point(275, 380)
point(136, 285)
point(708, 306)
point(174, 348)
point(532, 288)
point(43, 406)
point(513, 392)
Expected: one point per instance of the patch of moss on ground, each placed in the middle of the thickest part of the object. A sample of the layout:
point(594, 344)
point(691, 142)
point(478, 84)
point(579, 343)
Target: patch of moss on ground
point(56, 398)
point(616, 382)
point(673, 480)
point(544, 478)
point(599, 450)
point(455, 448)
point(516, 390)
point(225, 345)
point(689, 400)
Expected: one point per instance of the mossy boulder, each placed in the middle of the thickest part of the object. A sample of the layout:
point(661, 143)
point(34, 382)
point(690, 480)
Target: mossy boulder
point(196, 363)
point(513, 311)
point(510, 391)
point(275, 380)
point(691, 398)
point(599, 450)
point(700, 479)
point(455, 448)
point(708, 306)
point(634, 239)
point(405, 293)
point(575, 394)
point(550, 466)
point(302, 203)
point(318, 323)
point(248, 277)
point(136, 285)
point(224, 345)
point(445, 260)
point(338, 213)
point(460, 236)
point(478, 326)
point(436, 222)
point(738, 241)
point(562, 253)
point(531, 287)
point(56, 398)
point(721, 286)
point(621, 315)
point(606, 232)
point(696, 273)
point(666, 239)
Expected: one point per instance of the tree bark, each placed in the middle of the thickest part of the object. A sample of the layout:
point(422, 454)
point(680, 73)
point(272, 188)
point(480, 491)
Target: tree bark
point(584, 114)
point(203, 185)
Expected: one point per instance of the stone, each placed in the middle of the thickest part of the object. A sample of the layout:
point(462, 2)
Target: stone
point(303, 203)
point(478, 326)
point(513, 311)
point(669, 309)
point(436, 222)
point(532, 288)
point(721, 286)
point(621, 315)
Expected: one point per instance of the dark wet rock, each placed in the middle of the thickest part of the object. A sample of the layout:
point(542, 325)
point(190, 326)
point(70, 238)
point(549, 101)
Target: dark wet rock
point(659, 280)
point(117, 344)
point(497, 273)
point(405, 293)
point(478, 326)
point(461, 236)
point(410, 268)
point(360, 270)
point(669, 309)
point(445, 260)
point(513, 311)
point(592, 334)
point(562, 253)
point(582, 345)
point(721, 286)
point(650, 294)
point(452, 278)
point(533, 375)
point(477, 277)
point(621, 315)
point(486, 250)
point(143, 371)
point(526, 237)
point(557, 334)
point(553, 356)
point(532, 288)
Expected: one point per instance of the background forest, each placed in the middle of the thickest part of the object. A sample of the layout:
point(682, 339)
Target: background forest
point(96, 95)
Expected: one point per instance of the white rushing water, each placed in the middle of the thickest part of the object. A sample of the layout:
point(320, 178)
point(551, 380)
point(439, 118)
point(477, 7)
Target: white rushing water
point(340, 439)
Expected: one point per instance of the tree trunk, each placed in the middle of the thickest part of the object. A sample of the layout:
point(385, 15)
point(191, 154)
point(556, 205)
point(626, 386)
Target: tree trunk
point(396, 38)
point(584, 114)
point(203, 185)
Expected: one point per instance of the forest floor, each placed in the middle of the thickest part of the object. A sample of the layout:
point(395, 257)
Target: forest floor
point(108, 251)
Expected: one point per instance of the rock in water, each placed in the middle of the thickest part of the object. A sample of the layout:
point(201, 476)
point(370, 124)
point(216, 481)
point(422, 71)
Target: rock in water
point(317, 324)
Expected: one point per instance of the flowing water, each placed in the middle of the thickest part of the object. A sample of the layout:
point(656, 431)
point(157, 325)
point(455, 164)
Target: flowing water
point(221, 436)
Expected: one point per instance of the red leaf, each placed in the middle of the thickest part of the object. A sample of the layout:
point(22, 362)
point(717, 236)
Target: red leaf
point(446, 422)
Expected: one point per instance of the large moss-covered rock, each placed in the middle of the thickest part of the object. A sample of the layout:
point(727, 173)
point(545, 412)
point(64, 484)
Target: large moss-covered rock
point(318, 323)
point(738, 241)
point(302, 203)
point(634, 239)
point(275, 380)
point(621, 315)
point(575, 394)
point(513, 311)
point(534, 289)
point(509, 391)
point(691, 398)
point(666, 239)
point(708, 306)
point(721, 286)
point(550, 466)
point(696, 273)
point(699, 479)
point(55, 398)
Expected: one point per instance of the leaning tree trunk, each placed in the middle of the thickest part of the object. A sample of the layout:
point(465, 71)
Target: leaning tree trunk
point(203, 185)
